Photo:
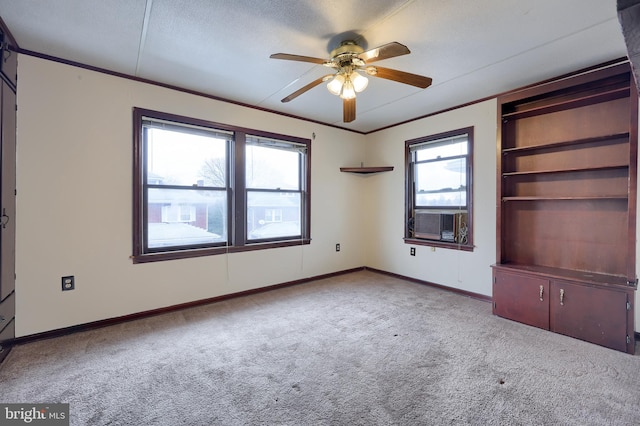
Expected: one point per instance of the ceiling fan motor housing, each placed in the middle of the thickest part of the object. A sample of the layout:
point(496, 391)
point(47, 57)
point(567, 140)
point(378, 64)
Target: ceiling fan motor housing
point(346, 55)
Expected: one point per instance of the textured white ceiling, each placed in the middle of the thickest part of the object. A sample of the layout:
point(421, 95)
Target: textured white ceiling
point(471, 49)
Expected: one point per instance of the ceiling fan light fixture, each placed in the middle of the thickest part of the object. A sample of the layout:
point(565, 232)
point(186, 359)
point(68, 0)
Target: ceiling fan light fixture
point(359, 81)
point(335, 85)
point(348, 91)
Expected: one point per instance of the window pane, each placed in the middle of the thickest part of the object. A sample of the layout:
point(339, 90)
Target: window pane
point(271, 168)
point(436, 150)
point(441, 183)
point(180, 158)
point(263, 204)
point(442, 199)
point(178, 217)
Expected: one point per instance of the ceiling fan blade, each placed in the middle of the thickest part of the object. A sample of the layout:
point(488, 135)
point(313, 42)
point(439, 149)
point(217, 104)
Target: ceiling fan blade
point(309, 86)
point(348, 110)
point(386, 51)
point(299, 58)
point(400, 76)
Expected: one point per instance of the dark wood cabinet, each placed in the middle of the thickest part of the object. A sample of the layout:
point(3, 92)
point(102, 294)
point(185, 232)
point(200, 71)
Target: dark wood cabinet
point(521, 298)
point(566, 214)
point(592, 313)
point(590, 307)
point(8, 73)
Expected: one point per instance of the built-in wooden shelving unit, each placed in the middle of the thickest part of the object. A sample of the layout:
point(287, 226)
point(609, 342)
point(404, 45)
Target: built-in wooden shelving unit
point(566, 219)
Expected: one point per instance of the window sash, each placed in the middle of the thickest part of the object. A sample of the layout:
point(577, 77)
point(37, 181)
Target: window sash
point(446, 190)
point(273, 178)
point(156, 123)
point(276, 144)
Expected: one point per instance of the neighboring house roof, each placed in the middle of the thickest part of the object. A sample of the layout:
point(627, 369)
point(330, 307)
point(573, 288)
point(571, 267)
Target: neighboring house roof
point(270, 199)
point(258, 199)
point(180, 196)
point(173, 234)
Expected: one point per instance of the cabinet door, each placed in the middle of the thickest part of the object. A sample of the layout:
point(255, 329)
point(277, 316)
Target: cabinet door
point(521, 298)
point(7, 192)
point(594, 314)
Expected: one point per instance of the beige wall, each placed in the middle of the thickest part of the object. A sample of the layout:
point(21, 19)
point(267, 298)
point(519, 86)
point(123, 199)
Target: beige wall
point(386, 249)
point(74, 202)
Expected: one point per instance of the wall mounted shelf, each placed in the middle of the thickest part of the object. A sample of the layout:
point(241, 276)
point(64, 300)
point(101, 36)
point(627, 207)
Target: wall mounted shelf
point(366, 170)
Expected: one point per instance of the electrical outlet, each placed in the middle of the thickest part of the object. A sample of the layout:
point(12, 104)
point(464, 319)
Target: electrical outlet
point(338, 247)
point(413, 251)
point(68, 283)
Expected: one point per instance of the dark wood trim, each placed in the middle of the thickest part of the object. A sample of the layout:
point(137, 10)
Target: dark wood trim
point(217, 98)
point(173, 87)
point(498, 95)
point(306, 185)
point(440, 244)
point(470, 294)
point(633, 184)
point(470, 191)
point(153, 312)
point(191, 253)
point(499, 205)
point(238, 191)
point(408, 188)
point(568, 81)
point(581, 101)
point(137, 193)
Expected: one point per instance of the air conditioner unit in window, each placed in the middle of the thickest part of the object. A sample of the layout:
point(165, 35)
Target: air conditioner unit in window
point(441, 225)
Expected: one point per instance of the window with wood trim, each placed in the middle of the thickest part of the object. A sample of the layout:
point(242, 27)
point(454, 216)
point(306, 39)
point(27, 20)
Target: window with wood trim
point(203, 188)
point(438, 193)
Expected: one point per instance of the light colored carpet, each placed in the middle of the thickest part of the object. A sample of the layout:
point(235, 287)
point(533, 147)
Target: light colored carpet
point(358, 349)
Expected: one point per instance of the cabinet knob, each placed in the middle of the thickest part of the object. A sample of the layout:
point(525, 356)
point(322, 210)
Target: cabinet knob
point(562, 296)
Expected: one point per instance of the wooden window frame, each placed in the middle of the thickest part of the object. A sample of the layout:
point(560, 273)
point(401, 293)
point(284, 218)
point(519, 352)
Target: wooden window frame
point(236, 206)
point(409, 193)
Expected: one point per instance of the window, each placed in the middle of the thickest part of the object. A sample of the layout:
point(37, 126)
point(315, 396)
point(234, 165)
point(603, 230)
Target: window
point(203, 188)
point(178, 213)
point(274, 194)
point(273, 215)
point(439, 193)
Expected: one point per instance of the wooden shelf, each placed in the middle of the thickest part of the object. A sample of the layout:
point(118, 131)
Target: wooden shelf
point(568, 198)
point(561, 144)
point(568, 104)
point(573, 170)
point(366, 170)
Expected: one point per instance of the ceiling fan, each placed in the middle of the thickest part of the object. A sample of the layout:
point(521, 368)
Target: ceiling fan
point(350, 61)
